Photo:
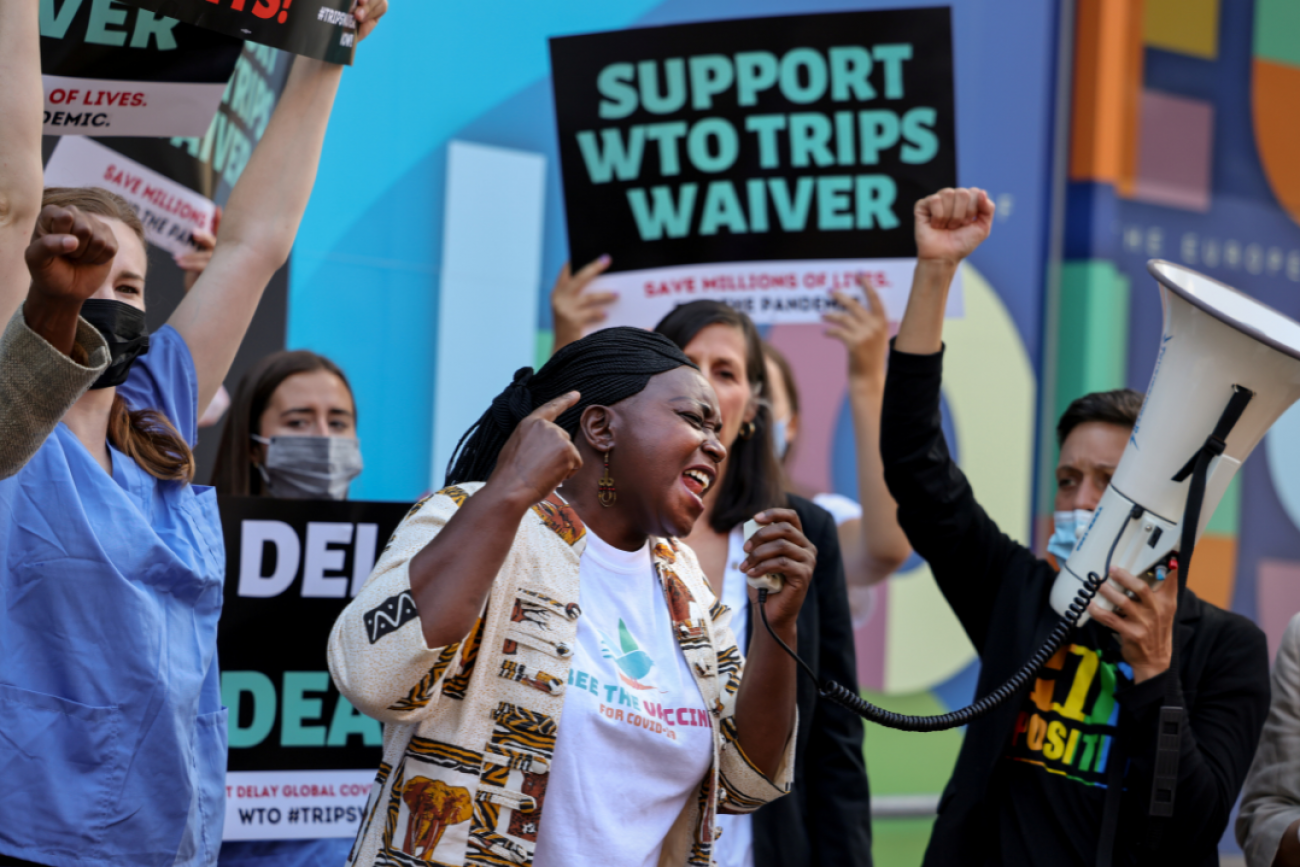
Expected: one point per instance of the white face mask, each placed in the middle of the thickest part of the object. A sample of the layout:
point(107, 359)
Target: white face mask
point(1069, 529)
point(311, 467)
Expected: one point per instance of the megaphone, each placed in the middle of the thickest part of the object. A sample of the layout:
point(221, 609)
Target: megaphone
point(1228, 367)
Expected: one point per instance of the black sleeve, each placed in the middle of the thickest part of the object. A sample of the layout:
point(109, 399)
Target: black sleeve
point(1227, 716)
point(838, 815)
point(967, 553)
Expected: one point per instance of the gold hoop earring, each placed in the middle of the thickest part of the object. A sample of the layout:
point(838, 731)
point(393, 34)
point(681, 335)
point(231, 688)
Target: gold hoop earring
point(747, 430)
point(608, 494)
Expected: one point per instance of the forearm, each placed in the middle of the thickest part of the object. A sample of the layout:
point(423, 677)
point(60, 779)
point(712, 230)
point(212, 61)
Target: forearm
point(21, 102)
point(258, 225)
point(882, 545)
point(765, 704)
point(1220, 735)
point(54, 320)
point(1288, 849)
point(268, 202)
point(921, 331)
point(452, 576)
point(38, 385)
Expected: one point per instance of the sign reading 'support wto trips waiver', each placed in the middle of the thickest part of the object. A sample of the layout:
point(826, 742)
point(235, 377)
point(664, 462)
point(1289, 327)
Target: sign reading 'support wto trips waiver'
point(760, 161)
point(302, 758)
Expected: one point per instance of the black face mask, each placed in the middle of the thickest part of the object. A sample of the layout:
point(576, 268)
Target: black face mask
point(126, 332)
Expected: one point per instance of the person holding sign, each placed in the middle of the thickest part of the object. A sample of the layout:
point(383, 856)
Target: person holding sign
point(559, 685)
point(1061, 773)
point(112, 733)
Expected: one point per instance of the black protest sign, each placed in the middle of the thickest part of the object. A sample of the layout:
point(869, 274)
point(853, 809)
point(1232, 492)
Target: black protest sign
point(803, 137)
point(323, 29)
point(291, 568)
point(112, 69)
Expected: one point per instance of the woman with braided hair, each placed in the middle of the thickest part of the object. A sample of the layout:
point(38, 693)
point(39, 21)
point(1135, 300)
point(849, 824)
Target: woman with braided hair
point(558, 684)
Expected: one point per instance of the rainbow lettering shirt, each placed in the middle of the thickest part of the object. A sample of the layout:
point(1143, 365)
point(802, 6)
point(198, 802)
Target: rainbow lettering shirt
point(1069, 721)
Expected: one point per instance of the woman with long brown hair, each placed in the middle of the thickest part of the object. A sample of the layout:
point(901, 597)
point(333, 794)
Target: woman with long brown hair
point(291, 432)
point(112, 732)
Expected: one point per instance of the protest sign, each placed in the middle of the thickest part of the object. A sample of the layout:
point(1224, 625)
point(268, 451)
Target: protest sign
point(112, 69)
point(759, 161)
point(206, 166)
point(302, 759)
point(171, 213)
point(323, 29)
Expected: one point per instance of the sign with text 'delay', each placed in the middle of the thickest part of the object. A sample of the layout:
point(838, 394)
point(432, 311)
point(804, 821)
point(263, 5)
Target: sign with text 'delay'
point(302, 758)
point(323, 29)
point(111, 69)
point(733, 151)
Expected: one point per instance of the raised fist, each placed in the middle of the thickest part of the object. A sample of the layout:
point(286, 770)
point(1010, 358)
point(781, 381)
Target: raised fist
point(71, 254)
point(951, 223)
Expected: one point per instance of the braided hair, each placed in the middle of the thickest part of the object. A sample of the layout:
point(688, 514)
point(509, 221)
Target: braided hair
point(606, 366)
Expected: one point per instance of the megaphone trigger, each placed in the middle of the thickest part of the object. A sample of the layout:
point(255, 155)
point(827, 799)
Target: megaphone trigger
point(772, 583)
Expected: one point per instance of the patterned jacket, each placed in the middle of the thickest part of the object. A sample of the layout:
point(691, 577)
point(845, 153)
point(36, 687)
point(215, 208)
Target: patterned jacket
point(470, 728)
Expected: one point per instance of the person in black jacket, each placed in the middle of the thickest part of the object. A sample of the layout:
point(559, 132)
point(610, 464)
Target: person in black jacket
point(1032, 780)
point(826, 819)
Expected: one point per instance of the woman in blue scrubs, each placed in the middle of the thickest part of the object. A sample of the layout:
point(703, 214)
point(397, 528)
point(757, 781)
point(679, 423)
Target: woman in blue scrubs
point(112, 734)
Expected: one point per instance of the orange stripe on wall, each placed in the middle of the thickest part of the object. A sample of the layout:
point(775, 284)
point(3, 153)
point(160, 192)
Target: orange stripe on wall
point(1275, 93)
point(1214, 569)
point(1107, 85)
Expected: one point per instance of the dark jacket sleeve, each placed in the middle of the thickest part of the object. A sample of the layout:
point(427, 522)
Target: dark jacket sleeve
point(1227, 712)
point(967, 553)
point(838, 815)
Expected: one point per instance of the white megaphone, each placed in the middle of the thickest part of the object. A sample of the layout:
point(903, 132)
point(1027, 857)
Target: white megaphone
point(1222, 353)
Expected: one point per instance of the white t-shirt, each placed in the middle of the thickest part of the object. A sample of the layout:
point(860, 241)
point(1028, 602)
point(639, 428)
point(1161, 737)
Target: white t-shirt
point(735, 848)
point(635, 739)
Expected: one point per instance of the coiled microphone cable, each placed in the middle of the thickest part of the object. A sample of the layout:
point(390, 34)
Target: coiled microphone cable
point(846, 697)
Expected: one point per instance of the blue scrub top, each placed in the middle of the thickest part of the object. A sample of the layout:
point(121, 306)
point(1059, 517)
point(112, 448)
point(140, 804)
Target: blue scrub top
point(112, 733)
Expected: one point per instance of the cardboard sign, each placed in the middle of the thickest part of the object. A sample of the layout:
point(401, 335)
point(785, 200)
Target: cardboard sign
point(323, 29)
point(302, 759)
point(115, 70)
point(171, 213)
point(759, 161)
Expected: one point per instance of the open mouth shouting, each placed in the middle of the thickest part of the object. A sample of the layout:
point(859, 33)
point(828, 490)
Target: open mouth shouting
point(697, 480)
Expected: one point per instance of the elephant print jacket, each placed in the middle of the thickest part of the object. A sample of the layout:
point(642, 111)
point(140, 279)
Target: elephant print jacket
point(470, 728)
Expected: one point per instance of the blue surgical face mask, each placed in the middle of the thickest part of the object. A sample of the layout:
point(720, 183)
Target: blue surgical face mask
point(779, 441)
point(1069, 528)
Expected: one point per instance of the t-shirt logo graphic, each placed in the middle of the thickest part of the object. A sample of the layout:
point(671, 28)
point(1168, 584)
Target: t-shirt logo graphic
point(1069, 719)
point(633, 663)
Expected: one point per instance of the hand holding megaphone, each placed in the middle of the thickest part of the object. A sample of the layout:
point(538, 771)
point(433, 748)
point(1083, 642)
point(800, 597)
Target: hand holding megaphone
point(1142, 617)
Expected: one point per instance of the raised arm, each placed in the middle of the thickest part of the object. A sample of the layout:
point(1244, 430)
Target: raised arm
point(873, 545)
point(937, 509)
point(21, 102)
point(949, 226)
point(261, 219)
